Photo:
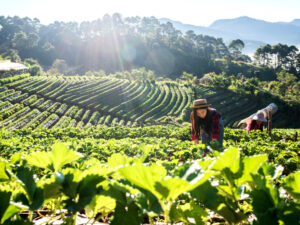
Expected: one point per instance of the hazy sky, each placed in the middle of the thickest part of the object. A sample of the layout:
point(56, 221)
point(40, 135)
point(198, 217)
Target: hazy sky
point(197, 12)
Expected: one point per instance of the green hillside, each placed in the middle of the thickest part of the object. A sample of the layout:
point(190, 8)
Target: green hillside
point(85, 101)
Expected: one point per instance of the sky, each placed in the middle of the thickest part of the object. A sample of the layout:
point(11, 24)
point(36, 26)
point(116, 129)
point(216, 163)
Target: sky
point(196, 12)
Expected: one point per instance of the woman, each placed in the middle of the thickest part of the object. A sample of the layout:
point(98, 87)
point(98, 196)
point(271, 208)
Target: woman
point(257, 122)
point(207, 123)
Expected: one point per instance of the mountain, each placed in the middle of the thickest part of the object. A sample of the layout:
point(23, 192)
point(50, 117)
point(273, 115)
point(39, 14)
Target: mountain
point(296, 22)
point(252, 31)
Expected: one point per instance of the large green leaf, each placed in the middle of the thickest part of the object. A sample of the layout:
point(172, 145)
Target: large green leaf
point(11, 211)
point(3, 174)
point(208, 195)
point(153, 178)
point(292, 184)
point(40, 159)
point(189, 213)
point(54, 160)
point(5, 198)
point(62, 155)
point(144, 176)
point(264, 207)
point(25, 175)
point(250, 166)
point(80, 187)
point(35, 195)
point(230, 158)
point(100, 204)
point(126, 214)
point(7, 210)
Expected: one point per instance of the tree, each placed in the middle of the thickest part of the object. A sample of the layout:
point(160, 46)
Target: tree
point(20, 40)
point(36, 70)
point(12, 54)
point(286, 82)
point(235, 47)
point(31, 61)
point(59, 66)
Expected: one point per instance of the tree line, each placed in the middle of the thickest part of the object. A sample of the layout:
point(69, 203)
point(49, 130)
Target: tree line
point(114, 43)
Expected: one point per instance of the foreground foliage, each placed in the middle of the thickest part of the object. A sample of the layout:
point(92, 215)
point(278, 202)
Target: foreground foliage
point(142, 175)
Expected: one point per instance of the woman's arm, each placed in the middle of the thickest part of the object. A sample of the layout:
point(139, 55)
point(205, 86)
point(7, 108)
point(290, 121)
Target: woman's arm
point(250, 125)
point(194, 134)
point(215, 126)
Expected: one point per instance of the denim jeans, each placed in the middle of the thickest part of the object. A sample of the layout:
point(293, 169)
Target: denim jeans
point(207, 137)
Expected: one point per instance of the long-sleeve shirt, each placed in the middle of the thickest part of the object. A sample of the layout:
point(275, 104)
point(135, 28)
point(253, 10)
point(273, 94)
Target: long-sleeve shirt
point(215, 131)
point(253, 125)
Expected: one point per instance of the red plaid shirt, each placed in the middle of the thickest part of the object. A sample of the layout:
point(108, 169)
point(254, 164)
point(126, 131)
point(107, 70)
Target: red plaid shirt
point(215, 126)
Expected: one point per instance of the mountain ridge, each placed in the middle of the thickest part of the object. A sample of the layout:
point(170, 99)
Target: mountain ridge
point(254, 32)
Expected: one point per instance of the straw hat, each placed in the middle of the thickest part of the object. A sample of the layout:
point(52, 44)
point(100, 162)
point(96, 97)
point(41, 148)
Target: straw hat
point(200, 104)
point(260, 116)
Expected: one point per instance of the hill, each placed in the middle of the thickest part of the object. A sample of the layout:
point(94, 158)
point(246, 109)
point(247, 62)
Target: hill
point(83, 101)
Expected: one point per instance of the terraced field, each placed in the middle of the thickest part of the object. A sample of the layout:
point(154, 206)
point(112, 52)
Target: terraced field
point(85, 101)
point(57, 102)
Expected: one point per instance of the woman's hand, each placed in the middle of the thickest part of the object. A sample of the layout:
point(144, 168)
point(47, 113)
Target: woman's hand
point(196, 141)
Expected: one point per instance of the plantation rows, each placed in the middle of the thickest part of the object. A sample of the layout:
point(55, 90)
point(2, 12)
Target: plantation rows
point(120, 175)
point(58, 102)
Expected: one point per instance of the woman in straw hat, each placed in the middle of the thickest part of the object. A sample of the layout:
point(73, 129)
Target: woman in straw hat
point(257, 122)
point(207, 123)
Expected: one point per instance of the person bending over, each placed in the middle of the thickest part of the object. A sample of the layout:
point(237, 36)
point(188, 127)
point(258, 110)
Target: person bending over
point(207, 123)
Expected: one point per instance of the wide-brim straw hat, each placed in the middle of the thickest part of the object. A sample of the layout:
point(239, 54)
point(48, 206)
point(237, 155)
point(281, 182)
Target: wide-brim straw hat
point(200, 104)
point(259, 117)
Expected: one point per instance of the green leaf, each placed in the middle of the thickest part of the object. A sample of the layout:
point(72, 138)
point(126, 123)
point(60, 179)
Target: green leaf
point(230, 158)
point(25, 175)
point(204, 164)
point(3, 175)
point(292, 184)
point(171, 188)
point(19, 222)
point(100, 204)
point(40, 159)
point(250, 166)
point(190, 213)
point(52, 190)
point(11, 211)
point(291, 213)
point(208, 195)
point(35, 195)
point(54, 160)
point(80, 192)
point(61, 156)
point(7, 210)
point(5, 198)
point(117, 160)
point(264, 207)
point(15, 158)
point(126, 214)
point(153, 178)
point(70, 182)
point(144, 176)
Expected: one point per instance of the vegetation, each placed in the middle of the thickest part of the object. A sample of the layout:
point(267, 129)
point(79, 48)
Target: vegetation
point(112, 144)
point(134, 99)
point(114, 43)
point(152, 174)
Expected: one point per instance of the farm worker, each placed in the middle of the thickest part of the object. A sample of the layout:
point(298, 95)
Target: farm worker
point(257, 122)
point(207, 123)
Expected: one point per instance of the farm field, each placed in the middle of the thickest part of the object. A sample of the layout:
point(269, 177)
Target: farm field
point(85, 101)
point(104, 106)
point(122, 175)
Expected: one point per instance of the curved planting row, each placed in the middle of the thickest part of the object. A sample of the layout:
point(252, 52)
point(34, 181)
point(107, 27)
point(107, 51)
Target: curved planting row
point(94, 101)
